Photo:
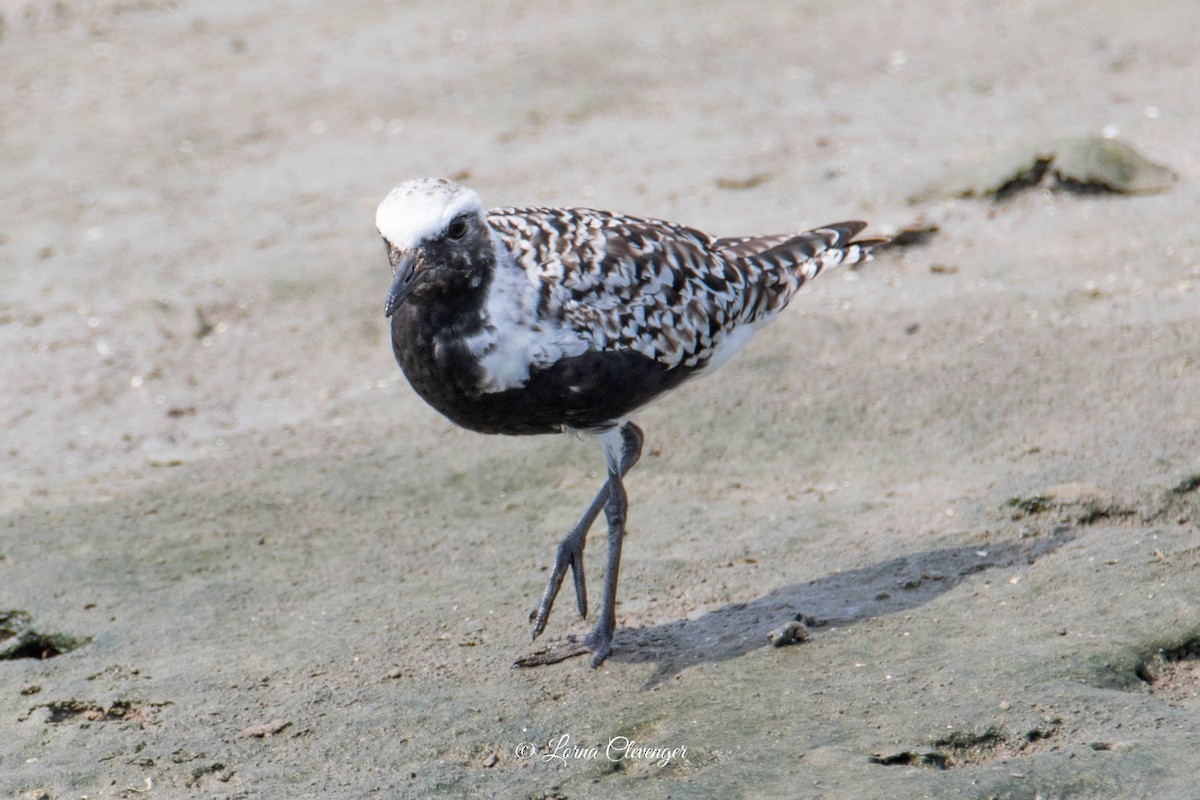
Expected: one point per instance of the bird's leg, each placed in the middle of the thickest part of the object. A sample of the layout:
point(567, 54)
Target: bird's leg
point(570, 549)
point(599, 641)
point(622, 449)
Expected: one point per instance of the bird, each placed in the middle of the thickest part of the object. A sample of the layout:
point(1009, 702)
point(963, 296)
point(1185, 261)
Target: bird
point(535, 320)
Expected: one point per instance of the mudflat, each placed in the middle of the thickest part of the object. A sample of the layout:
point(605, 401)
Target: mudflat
point(240, 558)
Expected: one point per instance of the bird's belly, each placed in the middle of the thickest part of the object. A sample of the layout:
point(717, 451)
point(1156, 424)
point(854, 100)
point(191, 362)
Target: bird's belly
point(587, 391)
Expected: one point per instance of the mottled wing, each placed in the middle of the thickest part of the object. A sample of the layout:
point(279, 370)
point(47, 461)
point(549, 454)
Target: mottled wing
point(669, 292)
point(627, 283)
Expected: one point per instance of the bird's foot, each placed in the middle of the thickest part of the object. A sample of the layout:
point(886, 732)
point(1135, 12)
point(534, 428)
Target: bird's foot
point(570, 555)
point(598, 644)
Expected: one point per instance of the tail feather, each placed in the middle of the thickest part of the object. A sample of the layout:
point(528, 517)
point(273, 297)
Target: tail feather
point(741, 246)
point(808, 254)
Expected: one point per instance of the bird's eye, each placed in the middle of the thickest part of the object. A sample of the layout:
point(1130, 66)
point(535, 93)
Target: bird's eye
point(457, 229)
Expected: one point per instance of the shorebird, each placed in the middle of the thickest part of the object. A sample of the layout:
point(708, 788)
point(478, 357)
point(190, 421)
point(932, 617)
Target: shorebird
point(545, 320)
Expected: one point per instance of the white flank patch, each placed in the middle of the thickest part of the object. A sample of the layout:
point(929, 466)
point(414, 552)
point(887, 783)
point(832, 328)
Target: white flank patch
point(417, 210)
point(734, 341)
point(514, 340)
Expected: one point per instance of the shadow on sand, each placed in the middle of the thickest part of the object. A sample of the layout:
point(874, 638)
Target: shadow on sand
point(890, 587)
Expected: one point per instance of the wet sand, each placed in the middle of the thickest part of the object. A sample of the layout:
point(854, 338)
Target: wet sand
point(970, 465)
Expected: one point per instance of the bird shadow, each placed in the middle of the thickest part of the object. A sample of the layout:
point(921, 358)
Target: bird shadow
point(840, 599)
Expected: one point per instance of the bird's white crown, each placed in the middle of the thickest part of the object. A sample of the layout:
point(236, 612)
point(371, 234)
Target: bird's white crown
point(416, 210)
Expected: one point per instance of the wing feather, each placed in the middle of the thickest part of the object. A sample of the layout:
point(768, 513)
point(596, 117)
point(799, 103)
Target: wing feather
point(664, 290)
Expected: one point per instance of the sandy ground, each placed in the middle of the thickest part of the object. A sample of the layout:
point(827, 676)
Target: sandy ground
point(970, 462)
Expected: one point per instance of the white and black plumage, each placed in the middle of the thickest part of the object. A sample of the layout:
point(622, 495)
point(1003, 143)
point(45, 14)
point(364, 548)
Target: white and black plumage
point(541, 320)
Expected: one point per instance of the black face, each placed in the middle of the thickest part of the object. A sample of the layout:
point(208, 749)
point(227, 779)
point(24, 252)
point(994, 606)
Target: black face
point(454, 267)
point(460, 257)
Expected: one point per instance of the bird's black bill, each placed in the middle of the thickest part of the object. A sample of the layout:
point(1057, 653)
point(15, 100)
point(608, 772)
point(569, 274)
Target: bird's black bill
point(402, 285)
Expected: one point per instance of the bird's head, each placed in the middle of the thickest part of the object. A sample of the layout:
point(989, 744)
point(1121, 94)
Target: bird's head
point(436, 236)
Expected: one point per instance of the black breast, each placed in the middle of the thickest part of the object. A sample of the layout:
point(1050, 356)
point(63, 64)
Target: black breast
point(587, 391)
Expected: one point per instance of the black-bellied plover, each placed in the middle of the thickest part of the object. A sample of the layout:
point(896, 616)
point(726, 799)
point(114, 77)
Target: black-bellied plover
point(544, 320)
